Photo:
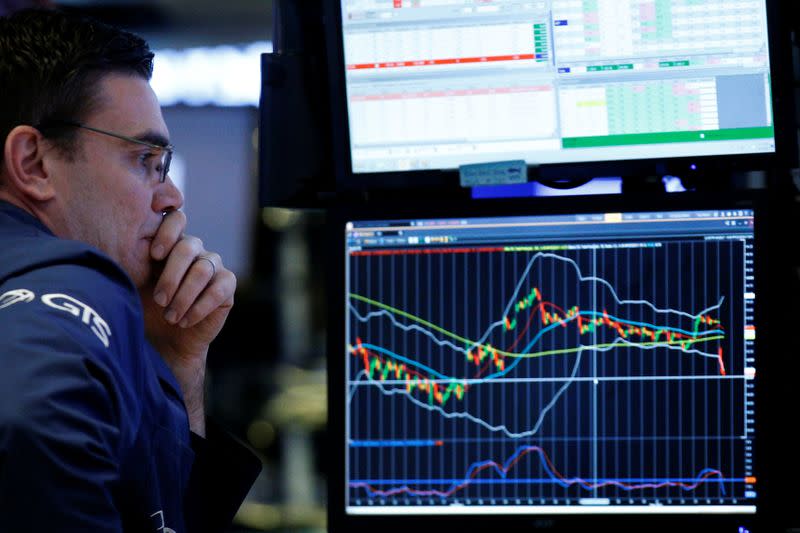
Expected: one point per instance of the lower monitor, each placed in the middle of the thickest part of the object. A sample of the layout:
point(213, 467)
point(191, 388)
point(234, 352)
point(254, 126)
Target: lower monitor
point(590, 364)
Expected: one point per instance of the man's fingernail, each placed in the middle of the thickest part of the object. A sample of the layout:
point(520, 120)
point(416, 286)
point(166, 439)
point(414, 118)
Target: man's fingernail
point(184, 323)
point(171, 316)
point(158, 251)
point(160, 298)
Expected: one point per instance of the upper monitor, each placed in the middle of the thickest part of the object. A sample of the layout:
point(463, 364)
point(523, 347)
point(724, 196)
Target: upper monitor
point(436, 84)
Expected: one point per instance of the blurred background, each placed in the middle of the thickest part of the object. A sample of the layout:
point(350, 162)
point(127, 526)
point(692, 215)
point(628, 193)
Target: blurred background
point(266, 379)
point(267, 369)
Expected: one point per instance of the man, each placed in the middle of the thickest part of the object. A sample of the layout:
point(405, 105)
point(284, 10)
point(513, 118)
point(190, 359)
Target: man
point(107, 308)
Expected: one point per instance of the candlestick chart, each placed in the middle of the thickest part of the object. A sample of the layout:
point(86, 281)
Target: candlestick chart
point(606, 374)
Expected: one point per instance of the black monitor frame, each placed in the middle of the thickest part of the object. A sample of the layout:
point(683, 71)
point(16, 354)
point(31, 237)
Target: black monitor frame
point(775, 465)
point(700, 168)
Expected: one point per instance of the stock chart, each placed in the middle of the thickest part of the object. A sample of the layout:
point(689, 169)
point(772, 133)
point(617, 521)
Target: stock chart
point(599, 373)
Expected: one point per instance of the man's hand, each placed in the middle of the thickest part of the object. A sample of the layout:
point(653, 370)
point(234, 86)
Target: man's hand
point(185, 307)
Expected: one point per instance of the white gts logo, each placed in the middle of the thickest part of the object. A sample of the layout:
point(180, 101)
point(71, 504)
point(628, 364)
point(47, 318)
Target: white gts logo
point(66, 303)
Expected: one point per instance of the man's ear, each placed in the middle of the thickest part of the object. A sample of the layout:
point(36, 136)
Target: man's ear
point(24, 164)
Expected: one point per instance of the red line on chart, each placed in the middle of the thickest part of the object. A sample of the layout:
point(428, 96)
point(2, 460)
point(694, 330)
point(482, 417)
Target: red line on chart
point(427, 251)
point(451, 93)
point(448, 61)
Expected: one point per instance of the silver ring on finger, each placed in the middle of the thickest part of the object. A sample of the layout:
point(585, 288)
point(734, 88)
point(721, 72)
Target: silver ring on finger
point(210, 262)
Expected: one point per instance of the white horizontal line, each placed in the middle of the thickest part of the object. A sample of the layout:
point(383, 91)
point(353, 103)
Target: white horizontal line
point(556, 380)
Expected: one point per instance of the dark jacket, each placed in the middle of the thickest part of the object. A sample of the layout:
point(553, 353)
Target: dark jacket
point(94, 435)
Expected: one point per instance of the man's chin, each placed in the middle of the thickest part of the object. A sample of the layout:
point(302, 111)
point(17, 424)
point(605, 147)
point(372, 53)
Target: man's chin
point(144, 274)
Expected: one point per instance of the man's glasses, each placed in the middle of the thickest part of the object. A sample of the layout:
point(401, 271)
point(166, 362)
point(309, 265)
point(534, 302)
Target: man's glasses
point(163, 157)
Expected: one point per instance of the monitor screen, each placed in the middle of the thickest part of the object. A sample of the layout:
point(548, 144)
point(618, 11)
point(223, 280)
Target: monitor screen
point(576, 363)
point(436, 84)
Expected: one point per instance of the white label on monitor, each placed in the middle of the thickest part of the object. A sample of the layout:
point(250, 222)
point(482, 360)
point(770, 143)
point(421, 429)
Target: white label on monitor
point(500, 173)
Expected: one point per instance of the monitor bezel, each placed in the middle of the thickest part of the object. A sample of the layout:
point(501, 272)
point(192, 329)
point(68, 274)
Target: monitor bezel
point(696, 167)
point(773, 464)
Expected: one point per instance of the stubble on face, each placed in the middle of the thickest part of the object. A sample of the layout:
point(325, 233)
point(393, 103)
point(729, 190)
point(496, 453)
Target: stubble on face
point(109, 205)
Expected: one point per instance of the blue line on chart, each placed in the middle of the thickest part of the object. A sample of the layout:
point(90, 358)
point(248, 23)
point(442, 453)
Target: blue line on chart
point(392, 443)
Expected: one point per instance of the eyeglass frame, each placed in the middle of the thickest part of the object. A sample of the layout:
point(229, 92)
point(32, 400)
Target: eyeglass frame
point(166, 149)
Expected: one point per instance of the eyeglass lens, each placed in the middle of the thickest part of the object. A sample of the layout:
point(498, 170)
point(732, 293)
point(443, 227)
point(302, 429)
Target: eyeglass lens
point(166, 159)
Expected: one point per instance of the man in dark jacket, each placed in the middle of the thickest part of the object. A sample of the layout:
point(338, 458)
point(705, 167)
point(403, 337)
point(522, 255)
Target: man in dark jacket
point(107, 308)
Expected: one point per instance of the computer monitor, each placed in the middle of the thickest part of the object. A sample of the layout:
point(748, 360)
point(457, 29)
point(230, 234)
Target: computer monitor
point(576, 88)
point(574, 363)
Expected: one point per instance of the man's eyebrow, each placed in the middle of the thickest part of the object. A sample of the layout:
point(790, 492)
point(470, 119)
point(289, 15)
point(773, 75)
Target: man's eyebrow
point(152, 137)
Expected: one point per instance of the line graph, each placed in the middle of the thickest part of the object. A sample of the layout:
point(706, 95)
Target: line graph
point(611, 372)
point(557, 477)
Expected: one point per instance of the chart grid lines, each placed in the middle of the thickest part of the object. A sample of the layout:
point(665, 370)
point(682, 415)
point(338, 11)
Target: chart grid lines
point(526, 377)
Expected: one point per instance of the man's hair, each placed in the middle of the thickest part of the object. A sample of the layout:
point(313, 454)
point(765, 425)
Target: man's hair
point(50, 66)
